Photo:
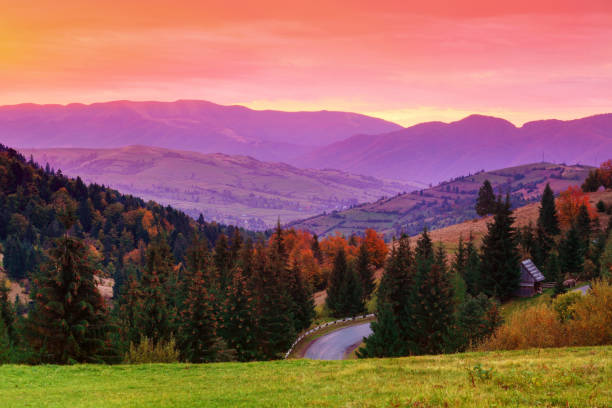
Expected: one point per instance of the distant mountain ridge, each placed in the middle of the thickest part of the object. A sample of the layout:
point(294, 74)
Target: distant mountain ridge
point(231, 189)
point(185, 124)
point(435, 151)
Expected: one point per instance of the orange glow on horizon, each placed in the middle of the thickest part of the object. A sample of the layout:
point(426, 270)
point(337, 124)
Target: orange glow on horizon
point(403, 61)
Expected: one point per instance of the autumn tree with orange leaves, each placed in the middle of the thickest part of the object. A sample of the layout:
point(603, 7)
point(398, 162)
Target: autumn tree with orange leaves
point(569, 204)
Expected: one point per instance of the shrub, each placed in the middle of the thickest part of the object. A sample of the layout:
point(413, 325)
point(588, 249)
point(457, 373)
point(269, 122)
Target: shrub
point(572, 320)
point(149, 352)
point(563, 305)
point(591, 323)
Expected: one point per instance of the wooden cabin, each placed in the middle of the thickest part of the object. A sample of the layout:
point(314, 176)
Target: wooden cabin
point(531, 280)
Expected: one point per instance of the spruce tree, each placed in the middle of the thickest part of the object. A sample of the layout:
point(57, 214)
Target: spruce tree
point(198, 340)
point(571, 252)
point(500, 271)
point(485, 204)
point(273, 305)
point(239, 323)
point(424, 248)
point(303, 300)
point(222, 261)
point(335, 289)
point(386, 339)
point(69, 322)
point(365, 272)
point(548, 219)
point(157, 315)
point(471, 275)
point(396, 284)
point(431, 325)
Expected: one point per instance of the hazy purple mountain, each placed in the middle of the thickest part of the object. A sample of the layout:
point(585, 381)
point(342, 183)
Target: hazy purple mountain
point(436, 151)
point(190, 125)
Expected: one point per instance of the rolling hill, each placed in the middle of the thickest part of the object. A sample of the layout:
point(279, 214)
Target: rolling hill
point(446, 204)
point(236, 190)
point(185, 124)
point(436, 151)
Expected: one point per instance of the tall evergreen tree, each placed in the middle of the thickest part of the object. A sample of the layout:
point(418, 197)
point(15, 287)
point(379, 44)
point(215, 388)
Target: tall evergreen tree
point(431, 323)
point(485, 204)
point(471, 275)
point(316, 249)
point(69, 322)
point(571, 252)
point(386, 339)
point(424, 248)
point(344, 293)
point(273, 305)
point(365, 271)
point(500, 271)
point(584, 228)
point(303, 300)
point(222, 260)
point(239, 327)
point(547, 218)
point(157, 315)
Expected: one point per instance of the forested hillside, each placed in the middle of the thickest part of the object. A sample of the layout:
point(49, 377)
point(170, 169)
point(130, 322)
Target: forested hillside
point(448, 203)
point(116, 227)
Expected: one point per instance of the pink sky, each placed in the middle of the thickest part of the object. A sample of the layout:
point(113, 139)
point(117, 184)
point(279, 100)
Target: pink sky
point(406, 61)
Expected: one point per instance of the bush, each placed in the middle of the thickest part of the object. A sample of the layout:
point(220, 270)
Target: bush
point(537, 326)
point(563, 305)
point(572, 320)
point(149, 352)
point(591, 323)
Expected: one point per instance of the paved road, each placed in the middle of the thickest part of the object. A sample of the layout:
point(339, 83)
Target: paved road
point(335, 345)
point(584, 289)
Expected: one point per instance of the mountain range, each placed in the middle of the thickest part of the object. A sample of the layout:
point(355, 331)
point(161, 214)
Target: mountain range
point(435, 151)
point(231, 189)
point(428, 152)
point(185, 124)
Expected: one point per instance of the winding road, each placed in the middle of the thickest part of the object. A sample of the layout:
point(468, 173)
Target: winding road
point(337, 344)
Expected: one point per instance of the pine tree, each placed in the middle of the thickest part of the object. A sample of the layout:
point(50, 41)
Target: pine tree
point(273, 305)
point(431, 324)
point(198, 338)
point(335, 288)
point(485, 204)
point(303, 300)
point(500, 271)
point(396, 284)
point(571, 252)
point(222, 261)
point(69, 322)
point(239, 326)
point(471, 275)
point(477, 318)
point(553, 273)
point(548, 219)
point(386, 339)
point(365, 272)
point(424, 248)
point(316, 249)
point(156, 317)
point(592, 182)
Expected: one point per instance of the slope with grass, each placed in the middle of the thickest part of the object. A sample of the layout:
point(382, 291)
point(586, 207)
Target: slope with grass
point(236, 190)
point(447, 204)
point(576, 377)
point(449, 236)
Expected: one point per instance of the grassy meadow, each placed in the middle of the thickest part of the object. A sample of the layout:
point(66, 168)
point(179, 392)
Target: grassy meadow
point(576, 377)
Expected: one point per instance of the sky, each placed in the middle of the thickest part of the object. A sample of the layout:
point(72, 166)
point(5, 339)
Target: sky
point(405, 61)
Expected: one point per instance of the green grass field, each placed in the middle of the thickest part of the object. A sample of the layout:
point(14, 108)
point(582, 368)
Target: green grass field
point(576, 377)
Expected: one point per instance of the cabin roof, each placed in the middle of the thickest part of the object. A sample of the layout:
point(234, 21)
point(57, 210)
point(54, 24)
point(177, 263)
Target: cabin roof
point(533, 270)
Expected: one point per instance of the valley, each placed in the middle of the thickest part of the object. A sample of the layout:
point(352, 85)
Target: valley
point(237, 190)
